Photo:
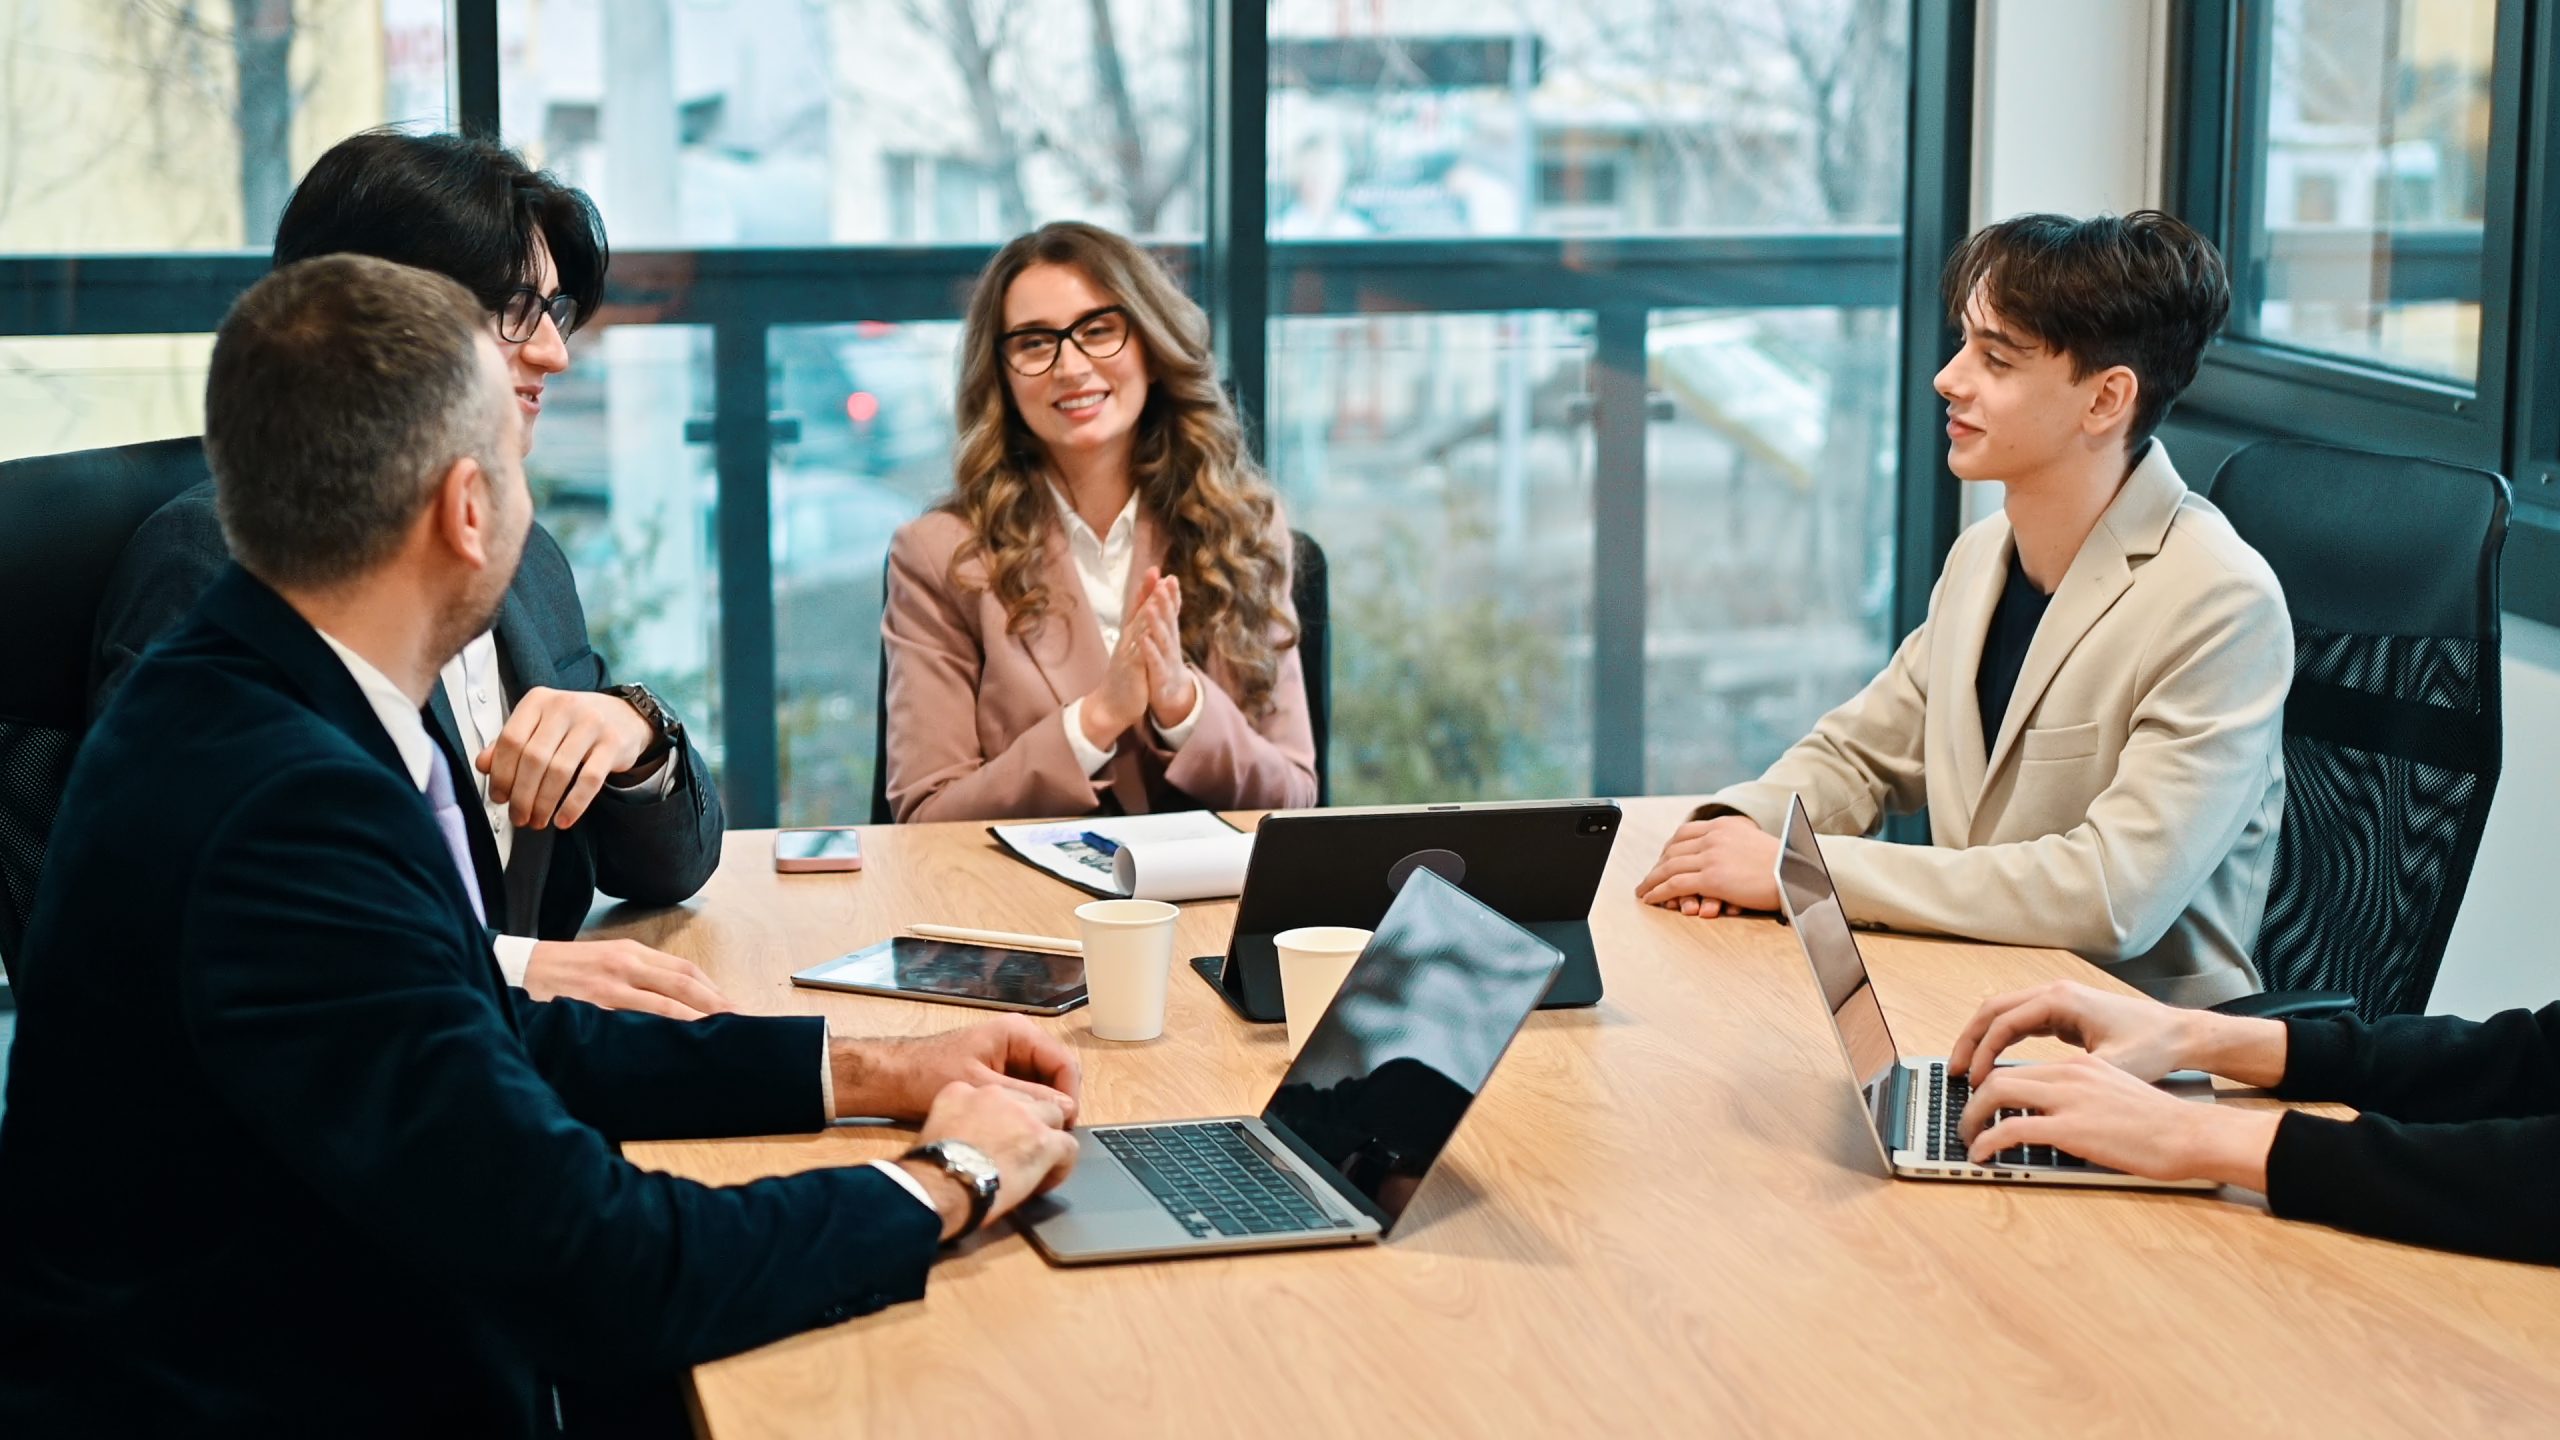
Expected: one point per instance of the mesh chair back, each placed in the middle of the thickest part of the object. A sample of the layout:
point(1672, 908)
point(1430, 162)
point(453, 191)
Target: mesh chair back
point(2391, 730)
point(64, 520)
point(1309, 590)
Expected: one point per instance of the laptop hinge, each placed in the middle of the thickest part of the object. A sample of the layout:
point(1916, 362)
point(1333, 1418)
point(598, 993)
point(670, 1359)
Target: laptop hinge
point(1347, 1192)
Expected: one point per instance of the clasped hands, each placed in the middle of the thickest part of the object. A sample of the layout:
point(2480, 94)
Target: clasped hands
point(1148, 676)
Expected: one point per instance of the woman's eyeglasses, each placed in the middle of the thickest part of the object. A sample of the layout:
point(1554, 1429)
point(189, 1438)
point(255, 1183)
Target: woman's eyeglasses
point(523, 312)
point(1032, 350)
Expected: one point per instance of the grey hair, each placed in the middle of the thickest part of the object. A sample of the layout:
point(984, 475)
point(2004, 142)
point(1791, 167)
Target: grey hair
point(342, 389)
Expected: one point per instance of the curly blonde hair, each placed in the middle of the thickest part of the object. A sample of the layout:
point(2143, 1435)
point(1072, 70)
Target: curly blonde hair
point(1192, 472)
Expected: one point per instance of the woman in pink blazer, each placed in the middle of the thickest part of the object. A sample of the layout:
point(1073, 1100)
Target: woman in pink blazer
point(1098, 617)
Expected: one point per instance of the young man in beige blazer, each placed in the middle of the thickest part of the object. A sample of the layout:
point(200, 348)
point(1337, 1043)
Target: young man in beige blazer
point(2092, 710)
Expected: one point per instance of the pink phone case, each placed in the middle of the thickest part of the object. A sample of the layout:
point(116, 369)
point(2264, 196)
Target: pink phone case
point(815, 864)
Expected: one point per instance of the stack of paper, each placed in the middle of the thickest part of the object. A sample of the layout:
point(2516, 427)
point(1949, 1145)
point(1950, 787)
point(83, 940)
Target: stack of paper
point(1181, 855)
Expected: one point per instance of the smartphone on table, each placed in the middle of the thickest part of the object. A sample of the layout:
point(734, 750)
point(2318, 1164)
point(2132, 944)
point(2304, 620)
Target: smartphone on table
point(817, 848)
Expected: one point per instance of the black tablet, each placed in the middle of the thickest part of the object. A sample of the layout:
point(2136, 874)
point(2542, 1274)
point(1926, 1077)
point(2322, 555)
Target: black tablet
point(913, 968)
point(1536, 862)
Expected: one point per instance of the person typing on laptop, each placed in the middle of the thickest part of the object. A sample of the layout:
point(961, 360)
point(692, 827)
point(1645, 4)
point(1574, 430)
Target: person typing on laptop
point(2091, 712)
point(2458, 1146)
point(283, 1152)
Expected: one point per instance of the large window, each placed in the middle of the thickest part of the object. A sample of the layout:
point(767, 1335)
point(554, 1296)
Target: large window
point(2371, 171)
point(1481, 219)
point(2385, 177)
point(130, 127)
point(1452, 462)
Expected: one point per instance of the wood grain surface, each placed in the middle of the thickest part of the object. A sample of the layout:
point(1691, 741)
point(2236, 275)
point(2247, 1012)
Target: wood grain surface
point(1660, 1219)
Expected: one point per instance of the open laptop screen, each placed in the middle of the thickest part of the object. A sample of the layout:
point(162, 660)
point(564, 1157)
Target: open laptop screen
point(1822, 928)
point(1412, 1036)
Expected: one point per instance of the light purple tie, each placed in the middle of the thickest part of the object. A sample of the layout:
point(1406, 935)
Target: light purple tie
point(449, 819)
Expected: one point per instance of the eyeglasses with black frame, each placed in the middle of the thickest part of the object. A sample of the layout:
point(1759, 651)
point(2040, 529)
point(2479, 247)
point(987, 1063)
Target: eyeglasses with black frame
point(525, 307)
point(1032, 351)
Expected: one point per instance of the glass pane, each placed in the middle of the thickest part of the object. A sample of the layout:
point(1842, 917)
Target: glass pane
point(873, 407)
point(2375, 179)
point(84, 391)
point(784, 122)
point(1505, 117)
point(1770, 505)
point(1443, 465)
point(634, 504)
point(162, 127)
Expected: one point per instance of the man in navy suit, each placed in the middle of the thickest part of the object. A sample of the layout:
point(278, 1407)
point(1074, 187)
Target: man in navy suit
point(283, 1153)
point(582, 784)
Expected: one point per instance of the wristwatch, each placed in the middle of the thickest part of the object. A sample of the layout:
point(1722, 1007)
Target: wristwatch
point(654, 710)
point(970, 1166)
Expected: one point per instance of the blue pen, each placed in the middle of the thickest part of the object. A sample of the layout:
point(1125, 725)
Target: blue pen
point(1103, 843)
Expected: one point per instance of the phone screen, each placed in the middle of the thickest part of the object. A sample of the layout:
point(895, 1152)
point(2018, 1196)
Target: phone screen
point(817, 845)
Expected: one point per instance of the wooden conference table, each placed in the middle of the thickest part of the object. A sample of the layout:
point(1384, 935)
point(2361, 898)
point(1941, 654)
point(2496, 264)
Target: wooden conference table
point(1660, 1219)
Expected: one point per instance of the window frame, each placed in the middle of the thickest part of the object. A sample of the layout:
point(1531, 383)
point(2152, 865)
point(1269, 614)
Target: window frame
point(2217, 105)
point(742, 293)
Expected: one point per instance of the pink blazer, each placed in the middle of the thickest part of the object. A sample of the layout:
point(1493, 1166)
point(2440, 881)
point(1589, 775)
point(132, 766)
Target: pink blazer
point(977, 715)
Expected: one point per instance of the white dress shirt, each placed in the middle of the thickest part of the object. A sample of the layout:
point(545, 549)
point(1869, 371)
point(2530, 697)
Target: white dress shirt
point(1102, 566)
point(478, 695)
point(408, 732)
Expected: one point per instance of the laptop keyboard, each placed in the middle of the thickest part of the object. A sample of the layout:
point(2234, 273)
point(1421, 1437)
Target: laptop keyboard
point(1210, 1177)
point(1947, 1097)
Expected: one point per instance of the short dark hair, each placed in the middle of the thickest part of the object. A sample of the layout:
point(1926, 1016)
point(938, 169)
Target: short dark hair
point(458, 206)
point(341, 390)
point(2145, 291)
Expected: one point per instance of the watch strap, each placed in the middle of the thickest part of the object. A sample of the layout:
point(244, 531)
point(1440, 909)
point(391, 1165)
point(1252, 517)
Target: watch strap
point(670, 731)
point(982, 1194)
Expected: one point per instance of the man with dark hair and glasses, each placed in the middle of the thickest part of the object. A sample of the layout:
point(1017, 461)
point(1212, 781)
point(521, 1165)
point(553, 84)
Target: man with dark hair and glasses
point(582, 784)
point(2091, 713)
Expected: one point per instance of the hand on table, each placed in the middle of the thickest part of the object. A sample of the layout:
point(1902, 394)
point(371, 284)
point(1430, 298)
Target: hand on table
point(622, 975)
point(1024, 1133)
point(558, 750)
point(2109, 1116)
point(903, 1079)
point(1713, 866)
point(2134, 1033)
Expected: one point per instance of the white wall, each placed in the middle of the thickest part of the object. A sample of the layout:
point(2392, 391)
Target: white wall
point(2070, 116)
point(2068, 106)
point(2504, 952)
point(2067, 115)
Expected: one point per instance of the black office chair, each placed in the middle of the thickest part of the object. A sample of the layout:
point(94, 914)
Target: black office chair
point(2391, 730)
point(64, 519)
point(1309, 590)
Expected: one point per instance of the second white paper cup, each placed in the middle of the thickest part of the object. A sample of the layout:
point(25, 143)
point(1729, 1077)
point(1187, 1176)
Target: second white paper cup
point(1314, 961)
point(1128, 957)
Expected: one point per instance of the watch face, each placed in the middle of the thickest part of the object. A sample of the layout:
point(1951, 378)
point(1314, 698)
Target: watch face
point(971, 1163)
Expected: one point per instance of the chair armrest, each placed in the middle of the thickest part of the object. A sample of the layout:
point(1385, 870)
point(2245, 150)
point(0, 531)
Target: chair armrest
point(2289, 1005)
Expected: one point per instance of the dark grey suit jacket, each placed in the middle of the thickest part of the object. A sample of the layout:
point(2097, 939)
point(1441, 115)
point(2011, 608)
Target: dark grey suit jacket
point(653, 852)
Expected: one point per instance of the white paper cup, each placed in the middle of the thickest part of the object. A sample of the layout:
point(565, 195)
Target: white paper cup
point(1128, 956)
point(1314, 960)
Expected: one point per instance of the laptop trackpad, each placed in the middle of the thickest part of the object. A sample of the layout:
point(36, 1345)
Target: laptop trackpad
point(1100, 1210)
point(1101, 1185)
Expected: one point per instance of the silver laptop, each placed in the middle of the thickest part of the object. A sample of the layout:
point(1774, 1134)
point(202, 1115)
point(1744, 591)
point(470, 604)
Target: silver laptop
point(1916, 1104)
point(1352, 1130)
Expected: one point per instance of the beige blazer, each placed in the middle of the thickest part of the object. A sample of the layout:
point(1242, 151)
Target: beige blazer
point(977, 715)
point(2127, 810)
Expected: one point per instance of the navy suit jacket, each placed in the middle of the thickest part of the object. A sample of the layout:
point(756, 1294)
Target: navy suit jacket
point(284, 1154)
point(653, 852)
